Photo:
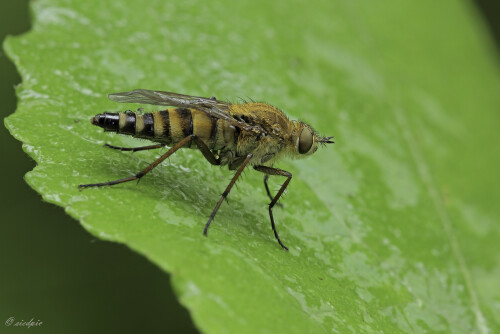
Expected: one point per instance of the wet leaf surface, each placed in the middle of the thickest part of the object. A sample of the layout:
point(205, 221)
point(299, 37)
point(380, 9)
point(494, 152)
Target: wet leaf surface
point(394, 229)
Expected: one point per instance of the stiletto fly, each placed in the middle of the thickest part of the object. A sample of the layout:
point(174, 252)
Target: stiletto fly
point(236, 135)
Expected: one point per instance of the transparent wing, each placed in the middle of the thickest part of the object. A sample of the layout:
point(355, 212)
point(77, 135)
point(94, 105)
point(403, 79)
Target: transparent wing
point(213, 107)
point(167, 99)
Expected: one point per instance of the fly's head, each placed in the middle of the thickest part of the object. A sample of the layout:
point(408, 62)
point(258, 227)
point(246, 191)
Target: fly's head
point(305, 141)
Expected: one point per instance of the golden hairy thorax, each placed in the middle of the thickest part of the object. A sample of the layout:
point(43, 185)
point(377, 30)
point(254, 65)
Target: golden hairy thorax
point(278, 132)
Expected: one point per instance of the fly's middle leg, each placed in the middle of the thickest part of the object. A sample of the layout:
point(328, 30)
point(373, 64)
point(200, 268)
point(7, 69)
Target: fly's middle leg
point(226, 192)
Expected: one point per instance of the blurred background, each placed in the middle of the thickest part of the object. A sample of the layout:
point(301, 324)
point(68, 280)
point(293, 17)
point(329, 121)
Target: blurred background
point(54, 271)
point(51, 269)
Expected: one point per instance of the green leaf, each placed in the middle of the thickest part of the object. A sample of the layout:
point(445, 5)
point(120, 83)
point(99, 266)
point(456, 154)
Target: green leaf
point(393, 229)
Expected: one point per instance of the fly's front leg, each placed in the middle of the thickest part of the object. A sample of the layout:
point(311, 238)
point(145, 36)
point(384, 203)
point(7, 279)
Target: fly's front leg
point(275, 171)
point(146, 170)
point(266, 178)
point(226, 192)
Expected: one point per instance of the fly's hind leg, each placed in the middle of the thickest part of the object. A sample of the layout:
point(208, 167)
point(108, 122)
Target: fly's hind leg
point(205, 150)
point(280, 172)
point(134, 149)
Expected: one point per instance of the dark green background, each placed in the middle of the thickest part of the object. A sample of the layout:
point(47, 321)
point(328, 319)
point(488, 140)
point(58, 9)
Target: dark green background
point(54, 271)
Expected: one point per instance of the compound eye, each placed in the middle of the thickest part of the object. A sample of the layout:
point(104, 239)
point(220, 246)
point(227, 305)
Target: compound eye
point(305, 141)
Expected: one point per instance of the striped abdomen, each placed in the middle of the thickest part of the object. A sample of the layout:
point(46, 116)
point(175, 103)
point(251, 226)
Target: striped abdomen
point(170, 126)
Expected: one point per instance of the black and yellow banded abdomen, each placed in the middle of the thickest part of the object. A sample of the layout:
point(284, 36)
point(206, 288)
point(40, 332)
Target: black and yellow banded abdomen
point(170, 126)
